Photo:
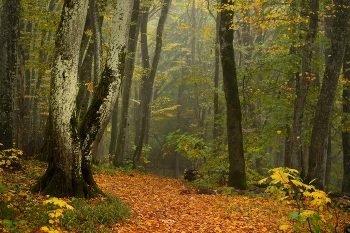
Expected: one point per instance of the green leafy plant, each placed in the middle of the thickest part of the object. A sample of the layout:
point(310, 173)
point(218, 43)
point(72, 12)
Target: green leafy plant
point(87, 216)
point(55, 209)
point(312, 204)
point(189, 146)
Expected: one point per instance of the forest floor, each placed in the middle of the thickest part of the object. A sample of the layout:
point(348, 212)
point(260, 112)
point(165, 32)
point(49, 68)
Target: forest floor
point(159, 204)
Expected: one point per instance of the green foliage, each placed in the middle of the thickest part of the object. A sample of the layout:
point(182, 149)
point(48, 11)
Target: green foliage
point(253, 177)
point(189, 146)
point(146, 150)
point(312, 204)
point(215, 169)
point(20, 211)
point(103, 168)
point(86, 216)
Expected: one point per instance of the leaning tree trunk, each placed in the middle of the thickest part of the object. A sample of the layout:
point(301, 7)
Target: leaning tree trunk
point(237, 175)
point(302, 86)
point(69, 168)
point(345, 121)
point(9, 34)
point(105, 94)
point(148, 82)
point(320, 131)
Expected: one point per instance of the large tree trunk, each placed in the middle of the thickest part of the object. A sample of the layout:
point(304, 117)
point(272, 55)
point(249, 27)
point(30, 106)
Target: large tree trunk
point(345, 121)
point(148, 81)
point(237, 175)
point(320, 131)
point(69, 169)
point(122, 145)
point(302, 84)
point(63, 175)
point(9, 35)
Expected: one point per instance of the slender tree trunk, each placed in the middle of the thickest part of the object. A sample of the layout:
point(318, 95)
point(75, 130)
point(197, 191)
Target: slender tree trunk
point(179, 103)
point(21, 107)
point(9, 35)
point(217, 113)
point(90, 58)
point(319, 136)
point(302, 84)
point(345, 121)
point(237, 175)
point(121, 147)
point(147, 84)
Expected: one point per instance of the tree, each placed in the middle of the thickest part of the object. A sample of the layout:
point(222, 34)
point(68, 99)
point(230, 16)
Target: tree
point(237, 176)
point(72, 146)
point(302, 84)
point(320, 131)
point(122, 143)
point(8, 66)
point(345, 121)
point(149, 77)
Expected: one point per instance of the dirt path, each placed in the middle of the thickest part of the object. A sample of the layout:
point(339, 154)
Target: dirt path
point(158, 206)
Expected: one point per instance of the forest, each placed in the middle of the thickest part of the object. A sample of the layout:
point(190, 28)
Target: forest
point(207, 97)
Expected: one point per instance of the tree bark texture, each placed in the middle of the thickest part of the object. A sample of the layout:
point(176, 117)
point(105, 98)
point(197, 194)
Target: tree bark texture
point(105, 94)
point(148, 81)
point(90, 57)
point(320, 131)
point(345, 121)
point(9, 35)
point(302, 85)
point(237, 175)
point(63, 176)
point(69, 169)
point(121, 147)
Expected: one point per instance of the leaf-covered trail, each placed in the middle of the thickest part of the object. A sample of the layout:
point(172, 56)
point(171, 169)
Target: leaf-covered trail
point(158, 206)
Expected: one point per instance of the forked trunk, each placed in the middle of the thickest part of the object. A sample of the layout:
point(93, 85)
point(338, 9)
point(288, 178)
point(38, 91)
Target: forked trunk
point(69, 170)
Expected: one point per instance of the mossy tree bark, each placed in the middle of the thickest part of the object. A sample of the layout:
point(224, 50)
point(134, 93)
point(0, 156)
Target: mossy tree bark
point(237, 175)
point(63, 176)
point(72, 146)
point(320, 131)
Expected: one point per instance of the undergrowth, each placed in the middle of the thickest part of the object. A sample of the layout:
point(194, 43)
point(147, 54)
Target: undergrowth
point(22, 211)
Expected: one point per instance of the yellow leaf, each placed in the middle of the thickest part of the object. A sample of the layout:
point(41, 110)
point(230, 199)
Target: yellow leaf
point(284, 227)
point(262, 181)
point(45, 229)
point(307, 213)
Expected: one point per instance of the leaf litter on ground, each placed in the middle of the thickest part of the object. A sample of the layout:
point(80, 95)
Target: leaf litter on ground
point(159, 204)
